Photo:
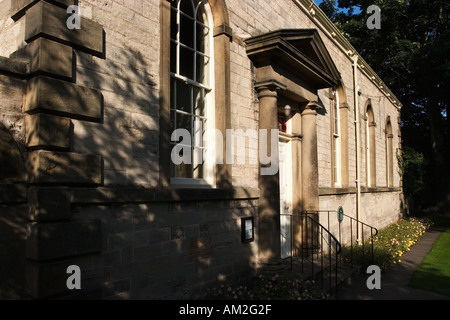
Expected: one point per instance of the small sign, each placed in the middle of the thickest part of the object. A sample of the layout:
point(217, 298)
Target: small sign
point(340, 214)
point(247, 229)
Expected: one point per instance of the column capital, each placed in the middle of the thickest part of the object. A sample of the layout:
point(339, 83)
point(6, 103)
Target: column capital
point(311, 108)
point(269, 88)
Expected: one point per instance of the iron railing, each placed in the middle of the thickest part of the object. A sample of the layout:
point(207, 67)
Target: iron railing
point(317, 246)
point(316, 249)
point(358, 233)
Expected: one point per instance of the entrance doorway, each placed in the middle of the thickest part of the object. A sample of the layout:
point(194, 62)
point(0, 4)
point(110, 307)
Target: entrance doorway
point(285, 175)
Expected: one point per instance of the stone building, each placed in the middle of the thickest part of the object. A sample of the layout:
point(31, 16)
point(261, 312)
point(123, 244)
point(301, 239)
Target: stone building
point(97, 170)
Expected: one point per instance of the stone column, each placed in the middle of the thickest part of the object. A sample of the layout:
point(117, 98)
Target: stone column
point(310, 176)
point(269, 204)
point(310, 170)
point(297, 197)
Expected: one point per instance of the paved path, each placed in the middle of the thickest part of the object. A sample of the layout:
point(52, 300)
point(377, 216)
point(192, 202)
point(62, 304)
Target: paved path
point(394, 282)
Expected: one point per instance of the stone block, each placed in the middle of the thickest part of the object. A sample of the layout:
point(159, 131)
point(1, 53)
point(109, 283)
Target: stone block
point(49, 204)
point(13, 66)
point(13, 193)
point(51, 241)
point(63, 98)
point(48, 57)
point(198, 248)
point(19, 7)
point(44, 281)
point(64, 168)
point(12, 166)
point(49, 21)
point(48, 280)
point(47, 131)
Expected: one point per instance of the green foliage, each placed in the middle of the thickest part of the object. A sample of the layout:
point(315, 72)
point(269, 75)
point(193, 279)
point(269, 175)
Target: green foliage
point(434, 272)
point(411, 53)
point(329, 7)
point(412, 167)
point(389, 244)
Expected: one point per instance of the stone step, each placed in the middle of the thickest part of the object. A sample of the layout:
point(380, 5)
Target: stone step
point(322, 273)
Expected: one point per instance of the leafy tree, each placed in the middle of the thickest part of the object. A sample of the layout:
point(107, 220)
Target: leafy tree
point(329, 7)
point(412, 168)
point(411, 54)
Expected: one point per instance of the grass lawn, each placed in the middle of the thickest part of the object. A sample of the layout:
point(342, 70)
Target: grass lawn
point(434, 273)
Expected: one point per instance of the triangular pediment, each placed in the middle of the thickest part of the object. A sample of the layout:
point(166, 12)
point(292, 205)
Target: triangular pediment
point(298, 50)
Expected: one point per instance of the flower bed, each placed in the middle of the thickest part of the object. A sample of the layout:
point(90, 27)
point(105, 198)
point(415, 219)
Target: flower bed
point(390, 243)
point(285, 286)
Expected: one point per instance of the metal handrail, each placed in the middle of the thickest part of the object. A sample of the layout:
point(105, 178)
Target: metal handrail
point(310, 242)
point(372, 235)
point(373, 232)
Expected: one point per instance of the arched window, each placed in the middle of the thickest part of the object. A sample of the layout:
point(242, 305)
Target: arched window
point(191, 86)
point(389, 154)
point(370, 146)
point(336, 139)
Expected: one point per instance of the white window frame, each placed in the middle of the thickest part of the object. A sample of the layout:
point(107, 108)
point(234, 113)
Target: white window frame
point(368, 150)
point(337, 141)
point(389, 155)
point(206, 143)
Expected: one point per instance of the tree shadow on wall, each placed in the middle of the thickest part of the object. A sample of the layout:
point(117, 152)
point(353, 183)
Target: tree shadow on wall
point(127, 138)
point(13, 217)
point(188, 253)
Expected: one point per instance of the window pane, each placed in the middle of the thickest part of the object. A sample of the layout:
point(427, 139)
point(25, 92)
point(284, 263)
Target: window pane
point(172, 121)
point(180, 121)
point(184, 122)
point(184, 170)
point(335, 118)
point(187, 63)
point(187, 7)
point(183, 96)
point(187, 31)
point(199, 132)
